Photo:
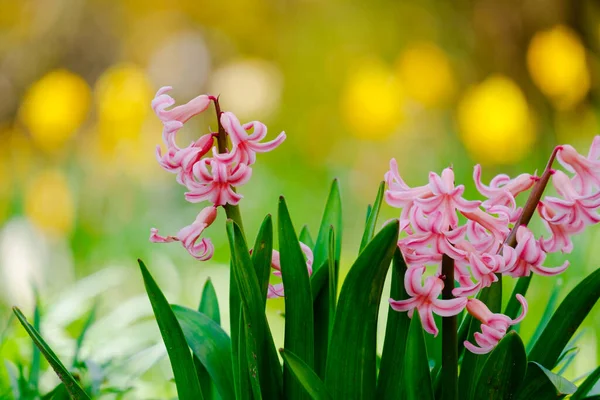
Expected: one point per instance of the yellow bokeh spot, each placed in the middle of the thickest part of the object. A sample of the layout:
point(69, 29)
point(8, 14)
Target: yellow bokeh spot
point(55, 107)
point(495, 123)
point(426, 74)
point(49, 202)
point(372, 101)
point(557, 63)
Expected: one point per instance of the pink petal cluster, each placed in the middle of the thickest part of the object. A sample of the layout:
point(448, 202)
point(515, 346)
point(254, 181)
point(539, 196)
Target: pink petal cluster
point(210, 179)
point(276, 290)
point(431, 227)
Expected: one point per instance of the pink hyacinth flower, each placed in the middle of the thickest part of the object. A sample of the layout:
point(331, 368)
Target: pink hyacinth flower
point(188, 236)
point(245, 146)
point(587, 169)
point(276, 290)
point(484, 268)
point(560, 238)
point(530, 257)
point(493, 326)
point(181, 113)
point(446, 198)
point(216, 185)
point(424, 298)
point(574, 208)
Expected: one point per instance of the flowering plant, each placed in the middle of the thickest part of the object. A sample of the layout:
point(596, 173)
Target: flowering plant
point(449, 256)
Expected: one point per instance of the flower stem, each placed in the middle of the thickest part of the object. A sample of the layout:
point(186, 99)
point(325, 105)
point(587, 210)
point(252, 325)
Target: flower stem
point(232, 212)
point(449, 337)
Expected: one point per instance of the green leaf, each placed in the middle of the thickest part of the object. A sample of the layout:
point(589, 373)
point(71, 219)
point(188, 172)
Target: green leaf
point(550, 306)
point(513, 307)
point(542, 384)
point(211, 346)
point(307, 378)
point(86, 326)
point(472, 364)
point(262, 253)
point(332, 216)
point(182, 363)
point(246, 282)
point(209, 306)
point(299, 331)
point(75, 391)
point(247, 388)
point(417, 378)
point(352, 358)
point(306, 238)
point(250, 367)
point(565, 321)
point(34, 373)
point(372, 216)
point(396, 333)
point(587, 385)
point(503, 370)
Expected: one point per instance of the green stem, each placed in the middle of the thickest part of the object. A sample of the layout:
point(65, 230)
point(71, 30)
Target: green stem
point(232, 212)
point(449, 337)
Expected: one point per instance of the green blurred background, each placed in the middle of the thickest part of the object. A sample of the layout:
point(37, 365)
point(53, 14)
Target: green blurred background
point(352, 83)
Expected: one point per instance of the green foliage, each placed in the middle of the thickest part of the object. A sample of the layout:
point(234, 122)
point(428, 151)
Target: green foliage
point(307, 378)
point(417, 378)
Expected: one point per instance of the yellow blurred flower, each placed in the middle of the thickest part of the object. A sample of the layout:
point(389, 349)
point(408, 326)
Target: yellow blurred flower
point(49, 202)
point(372, 101)
point(5, 190)
point(426, 73)
point(557, 63)
point(55, 107)
point(494, 121)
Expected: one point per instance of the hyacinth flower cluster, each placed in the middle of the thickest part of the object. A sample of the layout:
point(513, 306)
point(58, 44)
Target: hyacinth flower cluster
point(210, 173)
point(493, 239)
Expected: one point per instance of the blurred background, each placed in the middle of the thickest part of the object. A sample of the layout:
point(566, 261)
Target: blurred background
point(352, 83)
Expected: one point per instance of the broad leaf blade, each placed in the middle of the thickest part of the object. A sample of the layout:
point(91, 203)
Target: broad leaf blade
point(186, 380)
point(550, 306)
point(542, 384)
point(417, 378)
point(34, 373)
point(246, 282)
point(587, 385)
point(503, 370)
point(513, 306)
point(299, 330)
point(332, 216)
point(262, 253)
point(75, 391)
point(372, 216)
point(351, 363)
point(250, 367)
point(210, 345)
point(396, 333)
point(307, 378)
point(565, 321)
point(209, 306)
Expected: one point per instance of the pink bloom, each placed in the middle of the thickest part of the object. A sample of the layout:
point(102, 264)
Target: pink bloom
point(497, 226)
point(246, 146)
point(276, 290)
point(216, 185)
point(484, 268)
point(587, 169)
point(493, 326)
point(446, 198)
point(180, 113)
point(574, 208)
point(424, 297)
point(188, 236)
point(560, 238)
point(530, 257)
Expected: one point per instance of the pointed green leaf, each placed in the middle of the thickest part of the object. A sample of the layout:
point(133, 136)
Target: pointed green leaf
point(513, 307)
point(373, 214)
point(587, 385)
point(550, 306)
point(75, 391)
point(307, 378)
point(417, 378)
point(565, 321)
point(299, 331)
point(396, 333)
point(246, 282)
point(262, 253)
point(179, 353)
point(503, 370)
point(306, 238)
point(209, 306)
point(351, 363)
point(542, 384)
point(247, 388)
point(34, 372)
point(332, 216)
point(472, 364)
point(210, 345)
point(250, 367)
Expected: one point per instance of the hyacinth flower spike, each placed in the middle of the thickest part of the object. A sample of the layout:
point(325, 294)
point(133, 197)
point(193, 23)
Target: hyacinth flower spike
point(587, 169)
point(493, 326)
point(217, 184)
point(574, 208)
point(425, 299)
point(277, 289)
point(530, 257)
point(188, 236)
